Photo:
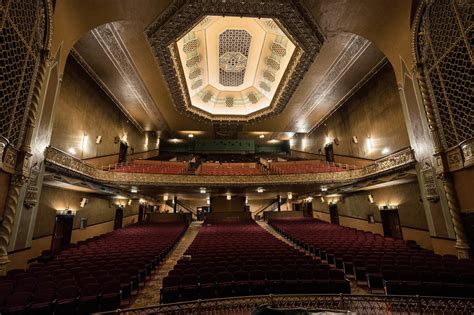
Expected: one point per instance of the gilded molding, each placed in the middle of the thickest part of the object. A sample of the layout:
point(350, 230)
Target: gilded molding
point(467, 148)
point(65, 163)
point(182, 15)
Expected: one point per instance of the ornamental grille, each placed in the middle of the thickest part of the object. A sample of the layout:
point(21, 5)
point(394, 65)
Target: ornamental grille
point(22, 25)
point(444, 48)
point(234, 48)
point(229, 101)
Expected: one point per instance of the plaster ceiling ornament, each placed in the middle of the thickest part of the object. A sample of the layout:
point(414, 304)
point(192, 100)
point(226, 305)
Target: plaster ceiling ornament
point(234, 61)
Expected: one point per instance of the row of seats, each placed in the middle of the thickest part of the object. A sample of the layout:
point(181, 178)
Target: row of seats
point(240, 258)
point(229, 169)
point(381, 263)
point(307, 166)
point(93, 275)
point(153, 167)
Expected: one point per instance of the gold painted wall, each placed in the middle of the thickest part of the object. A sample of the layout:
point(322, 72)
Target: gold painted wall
point(356, 205)
point(375, 110)
point(99, 209)
point(83, 107)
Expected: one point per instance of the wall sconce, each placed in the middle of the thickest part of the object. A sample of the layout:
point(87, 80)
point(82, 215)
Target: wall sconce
point(134, 189)
point(309, 199)
point(355, 140)
point(208, 200)
point(98, 140)
point(83, 202)
point(229, 196)
point(322, 199)
point(202, 190)
point(72, 151)
point(129, 202)
point(369, 144)
point(142, 201)
point(165, 197)
point(324, 188)
point(370, 198)
point(290, 196)
point(260, 190)
point(66, 212)
point(385, 151)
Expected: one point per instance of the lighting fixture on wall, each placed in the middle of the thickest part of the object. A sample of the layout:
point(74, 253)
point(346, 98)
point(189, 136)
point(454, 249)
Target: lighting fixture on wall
point(355, 140)
point(388, 207)
point(208, 200)
point(327, 140)
point(260, 189)
point(369, 144)
point(324, 188)
point(261, 136)
point(290, 196)
point(309, 199)
point(202, 190)
point(98, 140)
point(322, 199)
point(83, 202)
point(72, 151)
point(190, 135)
point(229, 196)
point(246, 199)
point(134, 189)
point(370, 198)
point(129, 202)
point(385, 151)
point(165, 197)
point(142, 201)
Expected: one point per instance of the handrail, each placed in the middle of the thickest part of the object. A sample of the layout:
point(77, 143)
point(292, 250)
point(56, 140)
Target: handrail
point(362, 304)
point(266, 207)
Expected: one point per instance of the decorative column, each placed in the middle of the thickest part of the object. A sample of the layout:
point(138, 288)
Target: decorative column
point(442, 169)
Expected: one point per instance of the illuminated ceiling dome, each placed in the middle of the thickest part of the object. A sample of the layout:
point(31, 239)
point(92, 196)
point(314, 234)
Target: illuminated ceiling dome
point(234, 68)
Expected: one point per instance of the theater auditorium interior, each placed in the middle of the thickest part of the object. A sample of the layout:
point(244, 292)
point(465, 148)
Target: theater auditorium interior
point(236, 156)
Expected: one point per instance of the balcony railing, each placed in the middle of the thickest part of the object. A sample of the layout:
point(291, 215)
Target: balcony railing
point(360, 304)
point(66, 163)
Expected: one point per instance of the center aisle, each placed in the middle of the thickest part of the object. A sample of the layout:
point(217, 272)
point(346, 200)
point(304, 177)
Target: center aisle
point(151, 293)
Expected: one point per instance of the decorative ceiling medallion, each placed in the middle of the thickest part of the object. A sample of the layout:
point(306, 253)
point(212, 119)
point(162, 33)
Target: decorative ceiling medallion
point(234, 61)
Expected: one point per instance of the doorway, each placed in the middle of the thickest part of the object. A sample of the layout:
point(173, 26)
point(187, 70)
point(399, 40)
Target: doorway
point(328, 150)
point(334, 214)
point(118, 218)
point(123, 152)
point(391, 223)
point(62, 233)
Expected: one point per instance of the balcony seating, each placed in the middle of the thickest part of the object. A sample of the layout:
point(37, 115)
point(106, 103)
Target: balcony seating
point(152, 167)
point(308, 166)
point(240, 258)
point(383, 263)
point(92, 276)
point(229, 169)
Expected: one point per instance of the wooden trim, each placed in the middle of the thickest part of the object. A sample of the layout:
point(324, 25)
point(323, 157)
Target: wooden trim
point(19, 250)
point(113, 154)
point(357, 218)
point(342, 155)
point(128, 216)
point(443, 238)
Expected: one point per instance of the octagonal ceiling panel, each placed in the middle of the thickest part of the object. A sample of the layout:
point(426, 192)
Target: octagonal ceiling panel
point(233, 66)
point(239, 67)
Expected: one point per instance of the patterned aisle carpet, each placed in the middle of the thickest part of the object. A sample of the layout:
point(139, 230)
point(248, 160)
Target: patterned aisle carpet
point(150, 294)
point(355, 289)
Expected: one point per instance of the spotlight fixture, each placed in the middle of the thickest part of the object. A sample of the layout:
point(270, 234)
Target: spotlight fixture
point(98, 140)
point(83, 202)
point(202, 190)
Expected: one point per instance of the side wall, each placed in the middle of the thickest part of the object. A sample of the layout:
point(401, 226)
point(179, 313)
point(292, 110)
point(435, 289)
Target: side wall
point(99, 211)
point(355, 208)
point(83, 108)
point(374, 111)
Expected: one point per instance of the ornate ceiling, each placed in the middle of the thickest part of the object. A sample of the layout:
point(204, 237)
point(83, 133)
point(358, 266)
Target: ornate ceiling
point(120, 58)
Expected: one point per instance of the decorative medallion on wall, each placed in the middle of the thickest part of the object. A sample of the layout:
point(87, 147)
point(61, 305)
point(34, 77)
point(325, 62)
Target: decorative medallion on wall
point(234, 61)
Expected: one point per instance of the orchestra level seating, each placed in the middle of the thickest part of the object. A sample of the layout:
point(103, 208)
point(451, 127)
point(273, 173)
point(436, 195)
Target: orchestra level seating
point(240, 258)
point(94, 275)
point(397, 266)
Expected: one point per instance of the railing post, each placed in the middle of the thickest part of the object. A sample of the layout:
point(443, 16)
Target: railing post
point(199, 307)
point(420, 306)
point(342, 301)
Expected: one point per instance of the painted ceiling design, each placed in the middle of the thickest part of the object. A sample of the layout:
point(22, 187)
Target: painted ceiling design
point(234, 65)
